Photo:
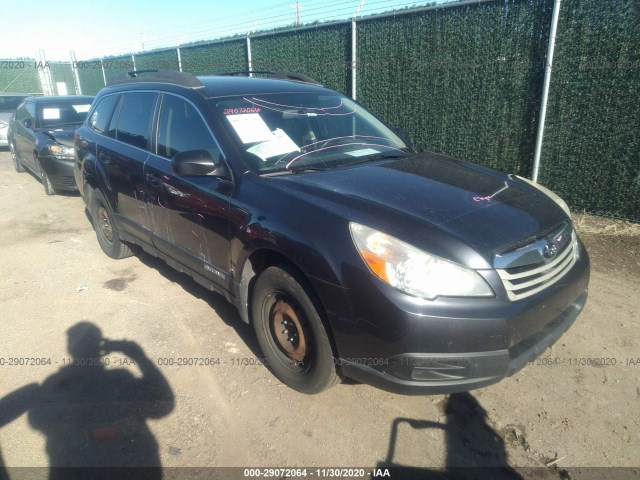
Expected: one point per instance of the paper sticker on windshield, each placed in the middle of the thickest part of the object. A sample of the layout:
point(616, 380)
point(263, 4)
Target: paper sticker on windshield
point(51, 114)
point(363, 152)
point(82, 108)
point(250, 127)
point(279, 144)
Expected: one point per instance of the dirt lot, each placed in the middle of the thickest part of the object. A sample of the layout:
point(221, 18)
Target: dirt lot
point(563, 408)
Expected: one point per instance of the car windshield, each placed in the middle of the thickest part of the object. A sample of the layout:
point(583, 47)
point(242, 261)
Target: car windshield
point(58, 114)
point(289, 132)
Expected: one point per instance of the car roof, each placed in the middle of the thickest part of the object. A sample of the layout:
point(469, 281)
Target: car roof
point(213, 86)
point(218, 86)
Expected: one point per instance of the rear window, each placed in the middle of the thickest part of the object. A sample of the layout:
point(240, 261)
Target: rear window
point(10, 103)
point(100, 116)
point(58, 114)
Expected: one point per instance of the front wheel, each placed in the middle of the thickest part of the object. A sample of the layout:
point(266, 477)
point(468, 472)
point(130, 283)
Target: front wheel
point(291, 333)
point(17, 164)
point(105, 228)
point(46, 181)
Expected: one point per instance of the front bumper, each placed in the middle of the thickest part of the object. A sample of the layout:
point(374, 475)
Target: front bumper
point(416, 373)
point(60, 172)
point(397, 343)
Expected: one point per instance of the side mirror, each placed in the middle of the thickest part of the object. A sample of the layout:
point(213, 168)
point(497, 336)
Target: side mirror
point(197, 162)
point(27, 122)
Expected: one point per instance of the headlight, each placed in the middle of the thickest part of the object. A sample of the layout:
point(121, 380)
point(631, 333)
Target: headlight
point(413, 271)
point(561, 203)
point(3, 125)
point(61, 151)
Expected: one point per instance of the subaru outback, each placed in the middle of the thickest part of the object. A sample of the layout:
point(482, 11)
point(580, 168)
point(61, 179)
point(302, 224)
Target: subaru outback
point(351, 253)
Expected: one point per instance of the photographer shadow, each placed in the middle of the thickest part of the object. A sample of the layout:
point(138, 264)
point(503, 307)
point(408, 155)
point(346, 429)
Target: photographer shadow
point(474, 450)
point(94, 416)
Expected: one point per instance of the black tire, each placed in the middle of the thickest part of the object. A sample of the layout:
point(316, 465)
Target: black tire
point(17, 164)
point(105, 228)
point(291, 333)
point(46, 182)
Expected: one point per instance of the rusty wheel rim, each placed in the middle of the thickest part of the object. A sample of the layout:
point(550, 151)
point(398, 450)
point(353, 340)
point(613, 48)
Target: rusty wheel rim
point(104, 224)
point(289, 332)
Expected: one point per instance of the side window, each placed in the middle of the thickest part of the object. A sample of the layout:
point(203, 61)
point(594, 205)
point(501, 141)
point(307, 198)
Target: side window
point(181, 128)
point(21, 113)
point(111, 132)
point(134, 119)
point(100, 115)
point(30, 111)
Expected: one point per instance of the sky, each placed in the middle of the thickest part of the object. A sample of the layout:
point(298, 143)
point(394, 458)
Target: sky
point(95, 29)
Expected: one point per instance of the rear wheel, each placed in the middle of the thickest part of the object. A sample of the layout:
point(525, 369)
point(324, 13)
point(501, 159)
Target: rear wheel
point(105, 228)
point(291, 333)
point(17, 164)
point(46, 182)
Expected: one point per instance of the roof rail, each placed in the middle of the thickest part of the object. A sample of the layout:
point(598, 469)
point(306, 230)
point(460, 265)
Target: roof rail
point(159, 76)
point(297, 77)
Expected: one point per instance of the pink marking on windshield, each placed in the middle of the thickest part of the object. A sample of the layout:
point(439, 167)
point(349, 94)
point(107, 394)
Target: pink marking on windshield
point(322, 110)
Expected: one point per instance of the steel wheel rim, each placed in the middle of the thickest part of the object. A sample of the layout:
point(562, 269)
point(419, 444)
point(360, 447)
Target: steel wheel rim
point(104, 224)
point(288, 333)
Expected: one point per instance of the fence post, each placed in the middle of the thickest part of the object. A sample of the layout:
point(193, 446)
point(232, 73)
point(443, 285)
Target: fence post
point(74, 69)
point(249, 62)
point(44, 74)
point(354, 49)
point(104, 76)
point(133, 62)
point(353, 57)
point(179, 59)
point(545, 89)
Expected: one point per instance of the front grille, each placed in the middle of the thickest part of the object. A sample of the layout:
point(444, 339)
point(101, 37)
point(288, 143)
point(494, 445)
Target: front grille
point(526, 280)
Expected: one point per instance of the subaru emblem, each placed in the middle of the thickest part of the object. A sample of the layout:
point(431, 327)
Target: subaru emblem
point(549, 250)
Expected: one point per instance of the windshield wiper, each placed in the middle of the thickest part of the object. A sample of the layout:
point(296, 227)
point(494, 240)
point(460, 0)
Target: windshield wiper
point(375, 156)
point(307, 169)
point(296, 170)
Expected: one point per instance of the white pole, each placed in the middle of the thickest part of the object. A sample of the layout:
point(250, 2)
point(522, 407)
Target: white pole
point(179, 59)
point(74, 69)
point(249, 61)
point(545, 89)
point(104, 76)
point(353, 50)
point(353, 57)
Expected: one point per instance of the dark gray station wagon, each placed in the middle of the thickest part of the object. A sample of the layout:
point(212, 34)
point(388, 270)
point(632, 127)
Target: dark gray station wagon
point(350, 253)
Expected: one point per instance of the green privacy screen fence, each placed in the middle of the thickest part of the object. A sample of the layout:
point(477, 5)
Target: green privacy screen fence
point(591, 150)
point(466, 80)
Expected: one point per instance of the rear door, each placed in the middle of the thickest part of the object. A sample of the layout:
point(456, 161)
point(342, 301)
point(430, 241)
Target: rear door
point(24, 136)
point(121, 157)
point(190, 215)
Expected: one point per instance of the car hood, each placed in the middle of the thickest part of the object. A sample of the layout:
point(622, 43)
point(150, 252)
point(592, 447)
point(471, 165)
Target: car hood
point(63, 136)
point(422, 197)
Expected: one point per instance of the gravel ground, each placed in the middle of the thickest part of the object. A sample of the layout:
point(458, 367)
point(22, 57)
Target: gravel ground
point(567, 409)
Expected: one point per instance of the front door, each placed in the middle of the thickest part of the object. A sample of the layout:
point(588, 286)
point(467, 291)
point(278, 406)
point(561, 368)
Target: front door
point(189, 215)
